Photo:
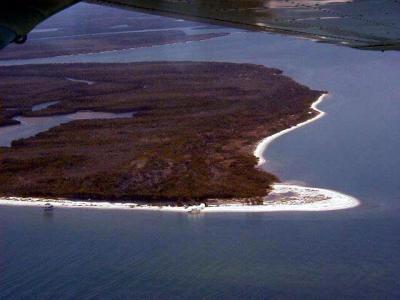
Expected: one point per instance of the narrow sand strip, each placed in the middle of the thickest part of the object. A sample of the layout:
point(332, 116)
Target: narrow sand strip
point(262, 146)
point(283, 197)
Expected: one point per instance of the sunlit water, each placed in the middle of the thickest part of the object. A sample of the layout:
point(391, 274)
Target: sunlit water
point(353, 254)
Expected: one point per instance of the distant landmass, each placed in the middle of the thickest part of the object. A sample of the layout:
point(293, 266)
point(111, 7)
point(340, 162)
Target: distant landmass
point(107, 42)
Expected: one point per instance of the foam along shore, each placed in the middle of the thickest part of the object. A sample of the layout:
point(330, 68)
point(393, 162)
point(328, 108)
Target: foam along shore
point(283, 197)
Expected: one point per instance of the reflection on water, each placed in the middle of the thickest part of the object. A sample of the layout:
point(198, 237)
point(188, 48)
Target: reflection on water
point(48, 216)
point(30, 126)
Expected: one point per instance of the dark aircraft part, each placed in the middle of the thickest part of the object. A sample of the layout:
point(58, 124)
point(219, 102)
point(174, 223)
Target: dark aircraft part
point(19, 17)
point(370, 25)
point(6, 36)
point(21, 39)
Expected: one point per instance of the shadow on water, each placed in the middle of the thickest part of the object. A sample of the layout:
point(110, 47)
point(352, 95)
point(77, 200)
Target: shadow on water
point(48, 216)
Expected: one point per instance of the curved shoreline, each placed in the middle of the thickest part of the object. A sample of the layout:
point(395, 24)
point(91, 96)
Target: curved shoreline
point(263, 145)
point(335, 201)
point(283, 197)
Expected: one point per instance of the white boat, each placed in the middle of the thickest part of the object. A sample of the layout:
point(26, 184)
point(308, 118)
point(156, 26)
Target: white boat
point(48, 207)
point(195, 209)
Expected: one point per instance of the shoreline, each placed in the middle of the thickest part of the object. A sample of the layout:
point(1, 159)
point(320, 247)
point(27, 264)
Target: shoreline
point(283, 197)
point(290, 198)
point(263, 144)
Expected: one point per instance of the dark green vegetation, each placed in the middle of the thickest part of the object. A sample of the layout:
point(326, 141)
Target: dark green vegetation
point(193, 137)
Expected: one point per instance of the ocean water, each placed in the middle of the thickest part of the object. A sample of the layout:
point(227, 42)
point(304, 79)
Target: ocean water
point(93, 254)
point(350, 254)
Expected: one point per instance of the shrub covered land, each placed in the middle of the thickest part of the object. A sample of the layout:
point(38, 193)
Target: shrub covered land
point(192, 138)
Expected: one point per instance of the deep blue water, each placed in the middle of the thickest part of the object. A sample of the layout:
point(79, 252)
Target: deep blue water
point(91, 254)
point(352, 254)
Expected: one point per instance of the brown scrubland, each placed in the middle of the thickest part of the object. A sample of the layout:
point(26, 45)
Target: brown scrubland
point(192, 138)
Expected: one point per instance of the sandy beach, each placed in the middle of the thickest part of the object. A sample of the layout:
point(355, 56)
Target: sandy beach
point(262, 146)
point(282, 198)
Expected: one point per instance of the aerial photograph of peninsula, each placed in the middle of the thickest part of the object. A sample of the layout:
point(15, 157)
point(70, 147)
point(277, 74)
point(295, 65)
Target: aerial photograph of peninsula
point(198, 149)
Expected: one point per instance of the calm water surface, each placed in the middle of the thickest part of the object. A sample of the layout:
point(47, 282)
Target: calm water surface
point(353, 254)
point(91, 254)
point(31, 126)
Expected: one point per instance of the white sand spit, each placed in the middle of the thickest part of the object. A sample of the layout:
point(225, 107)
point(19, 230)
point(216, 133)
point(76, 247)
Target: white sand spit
point(282, 198)
point(262, 146)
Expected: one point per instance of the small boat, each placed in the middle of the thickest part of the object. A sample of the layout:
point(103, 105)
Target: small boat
point(195, 209)
point(48, 207)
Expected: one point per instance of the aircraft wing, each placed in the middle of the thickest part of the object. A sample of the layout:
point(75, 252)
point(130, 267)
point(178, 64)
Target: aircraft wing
point(372, 24)
point(19, 17)
point(369, 24)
